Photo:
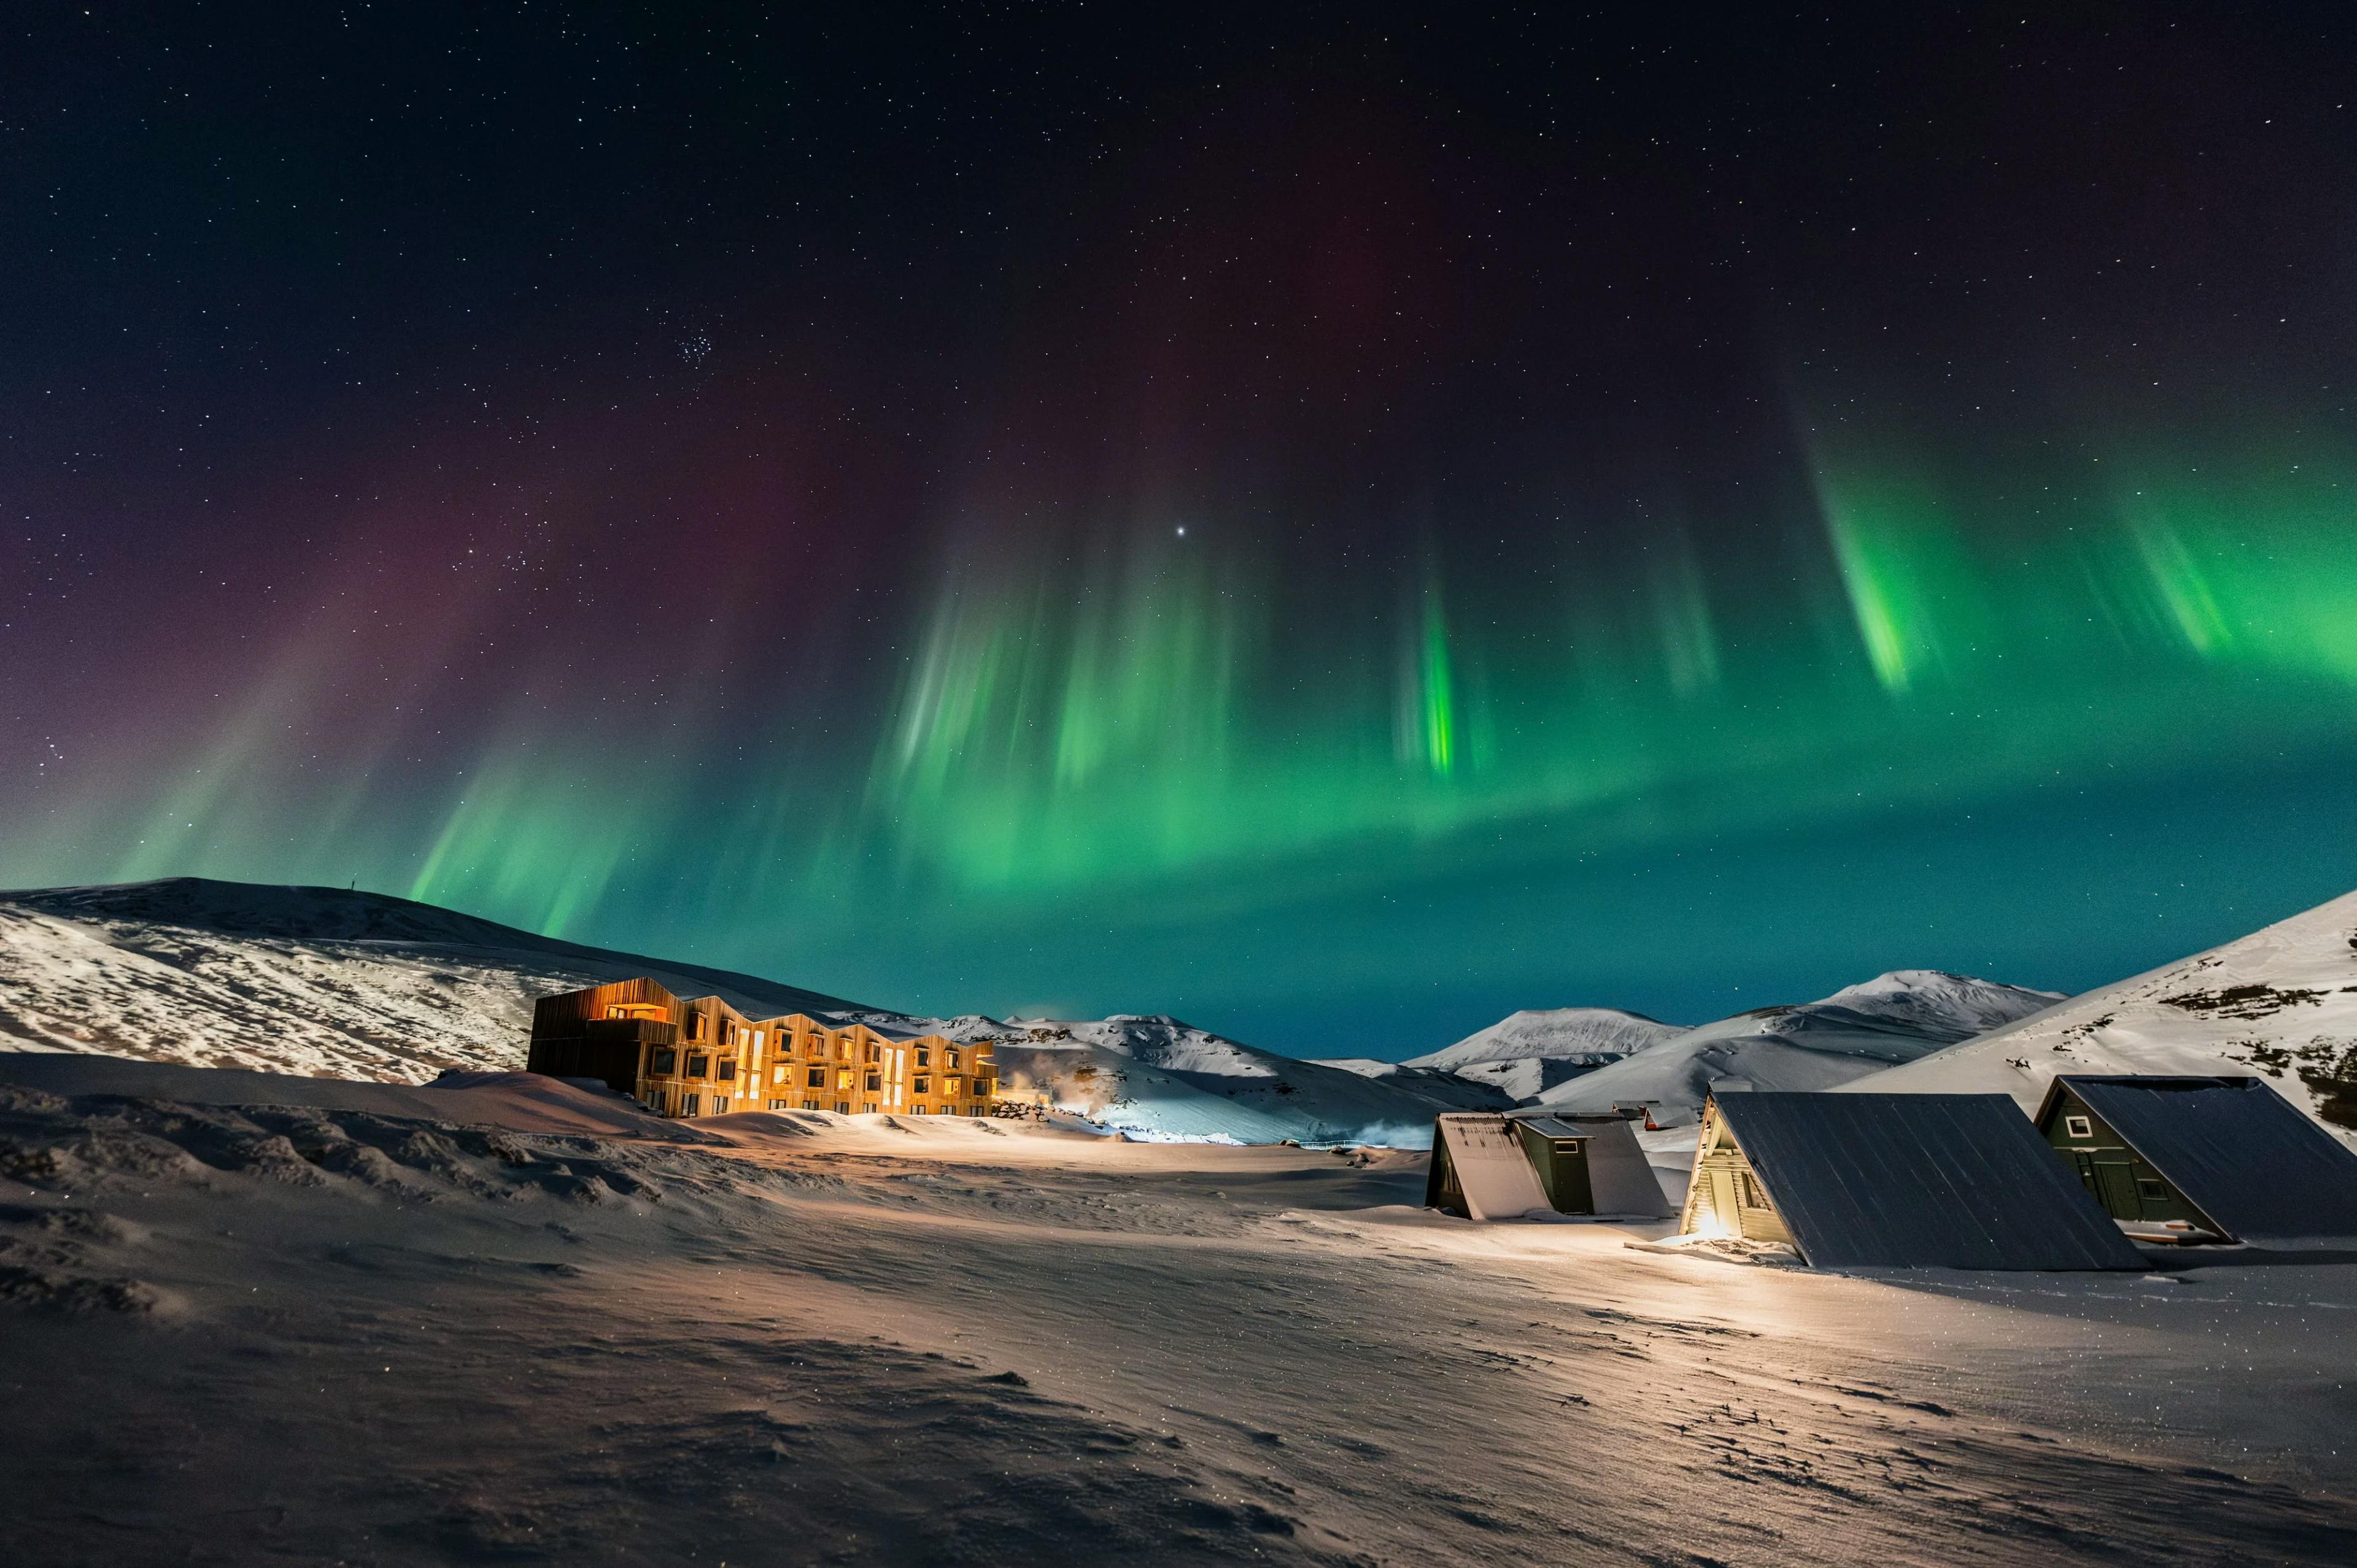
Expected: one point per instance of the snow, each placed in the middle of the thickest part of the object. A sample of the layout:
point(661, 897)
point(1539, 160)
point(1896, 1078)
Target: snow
point(2281, 1002)
point(1859, 1029)
point(1532, 1051)
point(288, 1332)
point(327, 982)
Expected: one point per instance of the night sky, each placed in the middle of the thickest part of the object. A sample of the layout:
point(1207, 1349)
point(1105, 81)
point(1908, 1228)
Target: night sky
point(1336, 525)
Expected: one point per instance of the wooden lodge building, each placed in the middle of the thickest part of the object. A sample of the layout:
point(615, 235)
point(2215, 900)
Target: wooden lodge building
point(700, 1057)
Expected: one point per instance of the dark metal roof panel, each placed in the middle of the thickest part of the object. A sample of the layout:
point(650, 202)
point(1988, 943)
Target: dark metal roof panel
point(2239, 1152)
point(1956, 1181)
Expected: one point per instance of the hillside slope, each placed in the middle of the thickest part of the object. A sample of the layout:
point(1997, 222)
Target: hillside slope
point(1527, 1053)
point(2281, 1002)
point(328, 982)
point(1859, 1029)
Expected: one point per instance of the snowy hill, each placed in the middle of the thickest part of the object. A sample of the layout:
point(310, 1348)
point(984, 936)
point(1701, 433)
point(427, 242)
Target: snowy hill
point(1533, 1051)
point(1155, 1078)
point(327, 982)
point(2281, 1002)
point(1860, 1029)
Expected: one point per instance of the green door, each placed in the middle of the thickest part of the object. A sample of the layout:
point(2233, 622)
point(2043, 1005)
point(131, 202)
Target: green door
point(2116, 1188)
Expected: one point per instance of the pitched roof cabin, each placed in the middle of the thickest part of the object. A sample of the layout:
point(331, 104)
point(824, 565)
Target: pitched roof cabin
point(702, 1057)
point(1491, 1165)
point(2201, 1159)
point(1959, 1181)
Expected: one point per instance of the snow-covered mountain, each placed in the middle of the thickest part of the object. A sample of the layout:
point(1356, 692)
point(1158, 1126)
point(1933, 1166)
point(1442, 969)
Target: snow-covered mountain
point(1891, 1019)
point(2281, 1002)
point(330, 983)
point(1530, 1052)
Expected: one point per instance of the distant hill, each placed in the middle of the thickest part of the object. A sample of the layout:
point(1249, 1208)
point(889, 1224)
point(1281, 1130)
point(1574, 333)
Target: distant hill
point(332, 983)
point(2281, 1002)
point(1859, 1029)
point(1527, 1053)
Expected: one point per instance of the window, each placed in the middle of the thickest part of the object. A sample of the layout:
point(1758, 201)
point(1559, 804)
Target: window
point(810, 1104)
point(843, 1080)
point(918, 1087)
point(2148, 1187)
point(662, 1059)
point(924, 1056)
point(815, 1078)
point(874, 1082)
point(688, 1105)
point(1750, 1196)
point(728, 1072)
point(875, 1054)
point(843, 1107)
point(757, 1038)
point(868, 1108)
point(917, 1109)
point(948, 1056)
point(2078, 1127)
point(696, 1066)
point(778, 1073)
point(777, 1105)
point(950, 1087)
point(695, 1026)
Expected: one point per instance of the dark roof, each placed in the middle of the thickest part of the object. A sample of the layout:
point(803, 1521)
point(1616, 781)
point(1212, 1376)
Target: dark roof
point(1955, 1181)
point(1556, 1126)
point(2239, 1152)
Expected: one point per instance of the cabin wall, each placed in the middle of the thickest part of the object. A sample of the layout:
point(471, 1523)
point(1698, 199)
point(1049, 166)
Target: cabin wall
point(2119, 1180)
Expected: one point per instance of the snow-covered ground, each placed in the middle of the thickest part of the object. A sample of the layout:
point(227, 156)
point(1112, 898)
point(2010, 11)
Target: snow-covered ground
point(1859, 1029)
point(344, 1330)
point(2281, 1002)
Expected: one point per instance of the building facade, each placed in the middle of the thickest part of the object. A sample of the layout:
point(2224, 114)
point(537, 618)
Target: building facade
point(701, 1057)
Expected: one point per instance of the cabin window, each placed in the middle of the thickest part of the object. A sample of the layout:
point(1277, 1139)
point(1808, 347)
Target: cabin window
point(2148, 1186)
point(917, 1110)
point(874, 1053)
point(727, 1073)
point(920, 1086)
point(695, 1026)
point(696, 1066)
point(924, 1056)
point(662, 1059)
point(843, 1108)
point(948, 1056)
point(874, 1082)
point(817, 1078)
point(950, 1087)
point(1748, 1186)
point(2078, 1127)
point(778, 1073)
point(688, 1105)
point(810, 1104)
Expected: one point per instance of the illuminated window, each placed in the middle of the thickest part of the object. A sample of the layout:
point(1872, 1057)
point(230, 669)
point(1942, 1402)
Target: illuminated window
point(948, 1056)
point(778, 1074)
point(1752, 1196)
point(950, 1087)
point(842, 1078)
point(875, 1054)
point(2078, 1127)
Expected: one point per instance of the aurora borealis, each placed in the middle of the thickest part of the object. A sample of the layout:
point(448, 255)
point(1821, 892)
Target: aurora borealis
point(1331, 525)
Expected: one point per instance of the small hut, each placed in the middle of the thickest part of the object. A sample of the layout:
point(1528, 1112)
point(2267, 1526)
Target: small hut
point(1958, 1181)
point(2201, 1159)
point(1486, 1166)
